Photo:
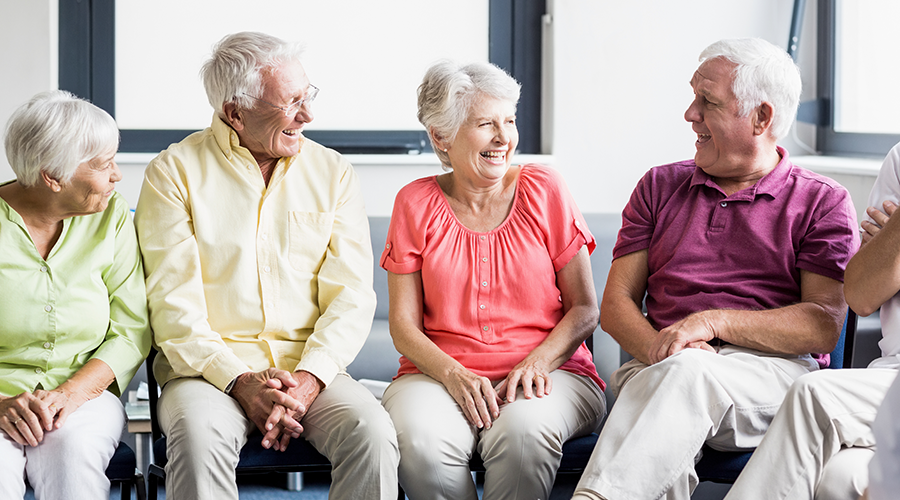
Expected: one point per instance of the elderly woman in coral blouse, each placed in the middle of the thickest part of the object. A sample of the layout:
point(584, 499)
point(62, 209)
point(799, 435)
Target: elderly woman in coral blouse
point(491, 299)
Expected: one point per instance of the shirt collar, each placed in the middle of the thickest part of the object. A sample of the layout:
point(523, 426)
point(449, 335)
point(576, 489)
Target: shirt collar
point(771, 184)
point(230, 144)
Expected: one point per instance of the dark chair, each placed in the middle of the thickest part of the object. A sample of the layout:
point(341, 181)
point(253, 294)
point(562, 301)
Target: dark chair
point(123, 471)
point(725, 466)
point(254, 459)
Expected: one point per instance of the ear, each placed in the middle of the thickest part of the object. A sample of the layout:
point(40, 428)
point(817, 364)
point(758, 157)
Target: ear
point(763, 118)
point(51, 183)
point(233, 116)
point(437, 140)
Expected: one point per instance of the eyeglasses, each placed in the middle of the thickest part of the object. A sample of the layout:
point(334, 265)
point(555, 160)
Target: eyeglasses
point(292, 108)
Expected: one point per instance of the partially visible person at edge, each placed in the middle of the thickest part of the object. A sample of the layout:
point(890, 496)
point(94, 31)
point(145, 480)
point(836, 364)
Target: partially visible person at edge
point(491, 299)
point(741, 255)
point(821, 440)
point(72, 299)
point(259, 277)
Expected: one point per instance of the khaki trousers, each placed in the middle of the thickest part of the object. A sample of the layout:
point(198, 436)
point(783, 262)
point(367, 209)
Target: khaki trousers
point(821, 441)
point(521, 451)
point(206, 429)
point(666, 412)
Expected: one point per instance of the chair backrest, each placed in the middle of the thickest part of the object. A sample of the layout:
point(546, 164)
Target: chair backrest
point(153, 389)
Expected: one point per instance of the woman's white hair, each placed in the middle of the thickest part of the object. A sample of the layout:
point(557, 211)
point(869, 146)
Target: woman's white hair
point(763, 73)
point(55, 132)
point(237, 65)
point(448, 92)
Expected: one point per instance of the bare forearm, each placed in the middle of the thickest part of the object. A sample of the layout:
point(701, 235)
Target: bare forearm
point(562, 342)
point(873, 274)
point(90, 381)
point(797, 329)
point(428, 357)
point(623, 320)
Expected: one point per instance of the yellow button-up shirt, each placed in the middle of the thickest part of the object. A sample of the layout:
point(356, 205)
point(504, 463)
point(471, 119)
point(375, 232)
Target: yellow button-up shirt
point(243, 277)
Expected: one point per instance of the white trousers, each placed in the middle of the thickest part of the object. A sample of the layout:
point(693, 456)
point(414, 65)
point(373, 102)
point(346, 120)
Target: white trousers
point(521, 451)
point(206, 429)
point(71, 461)
point(666, 412)
point(821, 441)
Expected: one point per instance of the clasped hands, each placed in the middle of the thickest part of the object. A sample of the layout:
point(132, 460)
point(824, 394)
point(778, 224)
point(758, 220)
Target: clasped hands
point(869, 229)
point(693, 332)
point(275, 401)
point(480, 400)
point(27, 417)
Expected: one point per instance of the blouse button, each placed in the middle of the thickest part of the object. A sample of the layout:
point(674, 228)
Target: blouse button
point(481, 306)
point(47, 345)
point(387, 246)
point(48, 308)
point(264, 236)
point(484, 259)
point(267, 269)
point(723, 204)
point(43, 269)
point(481, 237)
point(485, 328)
point(38, 371)
point(483, 283)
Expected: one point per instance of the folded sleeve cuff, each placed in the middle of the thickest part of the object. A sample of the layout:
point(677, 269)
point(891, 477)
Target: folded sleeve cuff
point(319, 364)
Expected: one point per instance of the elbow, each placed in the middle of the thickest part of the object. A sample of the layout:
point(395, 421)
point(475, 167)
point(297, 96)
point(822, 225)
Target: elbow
point(859, 301)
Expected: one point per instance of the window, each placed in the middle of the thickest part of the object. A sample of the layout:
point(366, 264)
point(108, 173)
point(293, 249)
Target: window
point(506, 32)
point(858, 101)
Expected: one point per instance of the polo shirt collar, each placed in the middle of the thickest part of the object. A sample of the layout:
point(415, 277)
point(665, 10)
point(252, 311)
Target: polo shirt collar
point(771, 184)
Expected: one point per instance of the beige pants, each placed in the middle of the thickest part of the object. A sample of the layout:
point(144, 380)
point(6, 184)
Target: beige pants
point(206, 429)
point(521, 451)
point(666, 412)
point(71, 461)
point(821, 441)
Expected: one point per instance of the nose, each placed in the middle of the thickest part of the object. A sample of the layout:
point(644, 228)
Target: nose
point(304, 113)
point(692, 113)
point(116, 174)
point(501, 136)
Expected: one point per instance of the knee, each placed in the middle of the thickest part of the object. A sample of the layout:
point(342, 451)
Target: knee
point(371, 431)
point(845, 475)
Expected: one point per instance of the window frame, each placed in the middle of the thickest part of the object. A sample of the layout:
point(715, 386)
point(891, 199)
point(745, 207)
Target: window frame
point(87, 69)
point(828, 140)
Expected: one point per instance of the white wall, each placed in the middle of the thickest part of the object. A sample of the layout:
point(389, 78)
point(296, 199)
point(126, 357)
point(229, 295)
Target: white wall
point(28, 56)
point(619, 86)
point(621, 83)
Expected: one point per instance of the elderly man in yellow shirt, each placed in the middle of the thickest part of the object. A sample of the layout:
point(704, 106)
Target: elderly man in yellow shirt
point(259, 279)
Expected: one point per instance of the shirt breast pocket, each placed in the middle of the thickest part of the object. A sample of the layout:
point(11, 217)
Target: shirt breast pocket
point(310, 234)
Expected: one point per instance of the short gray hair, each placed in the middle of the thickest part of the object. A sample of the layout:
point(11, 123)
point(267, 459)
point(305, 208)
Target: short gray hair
point(448, 91)
point(763, 73)
point(55, 132)
point(237, 64)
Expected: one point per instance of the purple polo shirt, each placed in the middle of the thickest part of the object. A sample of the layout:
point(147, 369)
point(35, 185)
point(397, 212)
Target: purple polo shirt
point(707, 250)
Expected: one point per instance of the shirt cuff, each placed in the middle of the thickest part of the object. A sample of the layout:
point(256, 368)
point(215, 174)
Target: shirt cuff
point(224, 368)
point(319, 364)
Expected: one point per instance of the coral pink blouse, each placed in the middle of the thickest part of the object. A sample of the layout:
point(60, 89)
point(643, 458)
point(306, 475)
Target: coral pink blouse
point(490, 298)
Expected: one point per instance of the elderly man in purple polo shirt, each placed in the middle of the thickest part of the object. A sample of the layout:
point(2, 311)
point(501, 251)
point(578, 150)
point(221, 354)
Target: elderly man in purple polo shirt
point(741, 255)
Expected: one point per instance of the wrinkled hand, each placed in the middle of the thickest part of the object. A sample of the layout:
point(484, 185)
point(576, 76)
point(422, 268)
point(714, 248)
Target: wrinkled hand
point(880, 218)
point(475, 395)
point(532, 375)
point(306, 390)
point(692, 332)
point(259, 400)
point(27, 417)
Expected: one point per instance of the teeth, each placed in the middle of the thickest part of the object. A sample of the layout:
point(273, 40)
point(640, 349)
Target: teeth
point(494, 154)
point(289, 132)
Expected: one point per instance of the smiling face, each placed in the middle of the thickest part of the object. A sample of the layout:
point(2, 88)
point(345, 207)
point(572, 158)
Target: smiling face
point(89, 189)
point(484, 145)
point(725, 140)
point(265, 130)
